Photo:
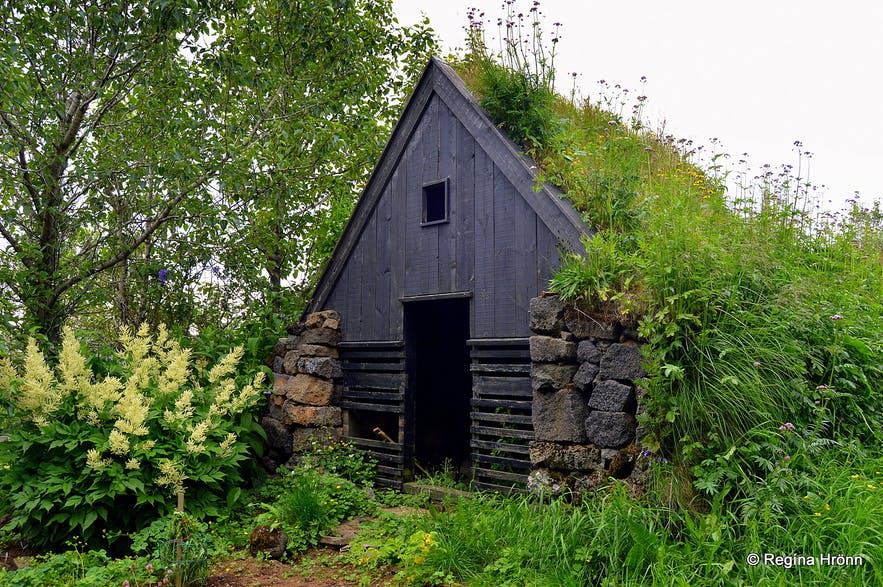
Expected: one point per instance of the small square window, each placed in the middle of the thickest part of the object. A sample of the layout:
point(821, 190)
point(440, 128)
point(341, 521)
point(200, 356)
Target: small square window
point(435, 202)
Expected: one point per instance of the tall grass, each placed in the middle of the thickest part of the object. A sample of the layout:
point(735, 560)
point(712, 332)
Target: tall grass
point(754, 309)
point(613, 538)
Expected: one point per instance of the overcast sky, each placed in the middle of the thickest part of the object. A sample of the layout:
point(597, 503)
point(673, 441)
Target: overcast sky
point(757, 75)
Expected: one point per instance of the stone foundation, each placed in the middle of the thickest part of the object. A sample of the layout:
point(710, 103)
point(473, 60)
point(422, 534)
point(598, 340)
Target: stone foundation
point(307, 374)
point(585, 399)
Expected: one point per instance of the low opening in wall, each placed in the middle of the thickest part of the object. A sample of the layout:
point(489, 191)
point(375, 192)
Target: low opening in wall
point(372, 425)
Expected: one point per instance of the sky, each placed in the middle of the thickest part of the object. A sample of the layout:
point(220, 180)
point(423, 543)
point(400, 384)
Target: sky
point(755, 75)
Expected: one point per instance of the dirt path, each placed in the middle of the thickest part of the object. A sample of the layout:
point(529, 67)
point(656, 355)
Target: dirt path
point(317, 568)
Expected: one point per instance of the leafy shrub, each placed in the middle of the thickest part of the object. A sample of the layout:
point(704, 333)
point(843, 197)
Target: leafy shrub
point(307, 503)
point(340, 459)
point(92, 568)
point(101, 458)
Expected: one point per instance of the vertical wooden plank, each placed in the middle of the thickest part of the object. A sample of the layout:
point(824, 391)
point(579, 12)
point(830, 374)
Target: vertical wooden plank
point(338, 301)
point(413, 251)
point(447, 164)
point(397, 252)
point(548, 259)
point(504, 255)
point(367, 245)
point(430, 234)
point(354, 291)
point(483, 299)
point(464, 196)
point(383, 219)
point(525, 263)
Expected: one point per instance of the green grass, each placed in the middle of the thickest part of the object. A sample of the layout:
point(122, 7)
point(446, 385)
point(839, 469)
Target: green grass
point(614, 538)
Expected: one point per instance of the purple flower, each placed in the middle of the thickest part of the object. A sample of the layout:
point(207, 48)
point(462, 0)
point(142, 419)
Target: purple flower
point(756, 363)
point(126, 583)
point(163, 275)
point(818, 403)
point(268, 392)
point(787, 457)
point(835, 317)
point(787, 426)
point(216, 270)
point(148, 567)
point(821, 387)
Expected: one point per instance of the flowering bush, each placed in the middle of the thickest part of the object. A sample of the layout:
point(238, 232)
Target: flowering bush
point(101, 458)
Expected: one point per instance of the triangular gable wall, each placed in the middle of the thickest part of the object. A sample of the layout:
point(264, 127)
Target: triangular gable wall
point(499, 247)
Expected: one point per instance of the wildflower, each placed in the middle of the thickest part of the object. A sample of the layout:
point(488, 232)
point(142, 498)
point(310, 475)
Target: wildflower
point(835, 317)
point(787, 426)
point(118, 442)
point(828, 507)
point(856, 476)
point(787, 457)
point(133, 464)
point(94, 460)
point(163, 275)
point(756, 363)
point(148, 567)
point(170, 476)
point(817, 514)
point(821, 387)
point(125, 583)
point(872, 487)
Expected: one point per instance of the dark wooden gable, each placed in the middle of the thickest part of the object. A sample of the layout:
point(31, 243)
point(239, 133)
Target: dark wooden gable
point(499, 246)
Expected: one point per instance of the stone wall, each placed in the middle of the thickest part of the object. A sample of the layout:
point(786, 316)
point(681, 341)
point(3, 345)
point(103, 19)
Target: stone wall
point(307, 375)
point(585, 398)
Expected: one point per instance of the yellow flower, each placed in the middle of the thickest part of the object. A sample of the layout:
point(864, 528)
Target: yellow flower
point(118, 442)
point(818, 514)
point(133, 464)
point(872, 487)
point(827, 507)
point(855, 476)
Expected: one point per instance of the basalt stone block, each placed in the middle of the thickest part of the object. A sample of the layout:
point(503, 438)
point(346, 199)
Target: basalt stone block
point(548, 349)
point(574, 457)
point(311, 415)
point(610, 429)
point(612, 396)
point(307, 389)
point(280, 347)
point(294, 329)
point(289, 362)
point(267, 541)
point(320, 367)
point(280, 384)
point(586, 326)
point(277, 434)
point(559, 416)
point(622, 361)
point(545, 315)
point(588, 352)
point(278, 364)
point(317, 350)
point(323, 336)
point(323, 319)
point(585, 375)
point(550, 376)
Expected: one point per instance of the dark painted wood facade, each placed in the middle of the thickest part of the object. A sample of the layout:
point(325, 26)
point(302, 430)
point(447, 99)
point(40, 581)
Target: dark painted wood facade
point(496, 250)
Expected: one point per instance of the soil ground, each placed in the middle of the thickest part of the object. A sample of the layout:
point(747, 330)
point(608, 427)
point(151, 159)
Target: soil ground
point(320, 567)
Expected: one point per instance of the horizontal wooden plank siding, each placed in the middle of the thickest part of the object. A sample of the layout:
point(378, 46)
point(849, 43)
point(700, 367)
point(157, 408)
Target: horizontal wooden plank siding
point(373, 396)
point(501, 413)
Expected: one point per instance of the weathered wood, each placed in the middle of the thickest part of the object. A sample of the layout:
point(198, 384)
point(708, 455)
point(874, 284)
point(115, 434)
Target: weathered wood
point(372, 344)
point(548, 258)
point(397, 260)
point(464, 225)
point(483, 302)
point(502, 432)
point(504, 475)
point(502, 403)
point(354, 379)
point(447, 233)
point(510, 385)
point(349, 365)
point(382, 254)
point(502, 418)
point(500, 368)
point(448, 295)
point(504, 257)
point(378, 396)
point(415, 251)
point(378, 444)
point(521, 449)
point(525, 263)
point(484, 459)
point(366, 407)
point(429, 235)
point(389, 472)
point(501, 342)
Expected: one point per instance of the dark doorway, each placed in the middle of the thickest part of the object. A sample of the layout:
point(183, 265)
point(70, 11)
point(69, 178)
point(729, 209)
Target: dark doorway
point(439, 382)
